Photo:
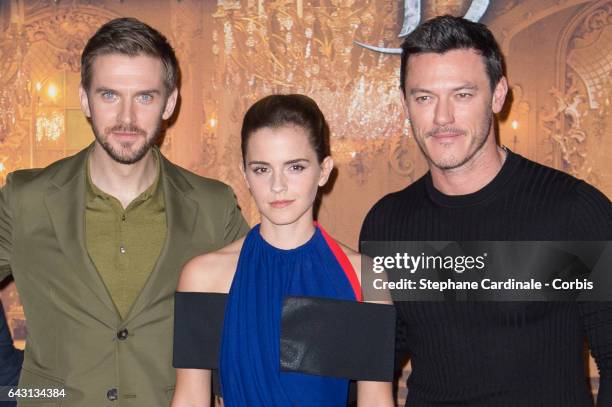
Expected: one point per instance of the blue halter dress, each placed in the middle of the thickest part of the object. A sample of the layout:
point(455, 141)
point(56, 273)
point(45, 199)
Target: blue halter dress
point(249, 360)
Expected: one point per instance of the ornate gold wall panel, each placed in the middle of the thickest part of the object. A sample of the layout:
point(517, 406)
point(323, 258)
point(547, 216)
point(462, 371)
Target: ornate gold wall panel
point(233, 52)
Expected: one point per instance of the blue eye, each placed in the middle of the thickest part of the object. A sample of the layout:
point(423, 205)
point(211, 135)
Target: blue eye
point(145, 98)
point(109, 95)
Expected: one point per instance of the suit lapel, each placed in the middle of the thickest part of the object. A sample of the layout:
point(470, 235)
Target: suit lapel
point(65, 202)
point(181, 215)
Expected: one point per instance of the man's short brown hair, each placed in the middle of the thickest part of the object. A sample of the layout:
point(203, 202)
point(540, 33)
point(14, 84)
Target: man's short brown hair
point(129, 36)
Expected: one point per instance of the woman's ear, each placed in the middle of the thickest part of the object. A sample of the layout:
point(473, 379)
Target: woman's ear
point(326, 168)
point(243, 172)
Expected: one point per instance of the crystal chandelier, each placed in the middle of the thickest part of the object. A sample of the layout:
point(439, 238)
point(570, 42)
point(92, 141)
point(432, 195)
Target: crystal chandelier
point(286, 46)
point(49, 127)
point(14, 82)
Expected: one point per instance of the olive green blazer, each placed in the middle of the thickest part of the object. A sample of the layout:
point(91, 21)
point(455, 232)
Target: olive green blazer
point(76, 339)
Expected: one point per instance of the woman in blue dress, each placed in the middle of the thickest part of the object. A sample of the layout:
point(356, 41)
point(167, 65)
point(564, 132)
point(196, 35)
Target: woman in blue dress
point(286, 159)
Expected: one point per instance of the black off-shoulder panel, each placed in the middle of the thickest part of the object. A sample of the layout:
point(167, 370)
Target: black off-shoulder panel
point(319, 336)
point(338, 338)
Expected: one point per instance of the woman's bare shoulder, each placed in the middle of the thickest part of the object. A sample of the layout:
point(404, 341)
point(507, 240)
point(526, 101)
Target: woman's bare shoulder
point(354, 257)
point(211, 272)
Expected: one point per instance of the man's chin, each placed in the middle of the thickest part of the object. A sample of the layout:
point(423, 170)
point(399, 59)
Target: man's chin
point(126, 152)
point(447, 165)
point(127, 156)
point(126, 160)
point(449, 161)
point(446, 160)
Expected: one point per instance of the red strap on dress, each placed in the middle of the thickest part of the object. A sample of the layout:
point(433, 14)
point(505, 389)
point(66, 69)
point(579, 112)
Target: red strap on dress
point(345, 263)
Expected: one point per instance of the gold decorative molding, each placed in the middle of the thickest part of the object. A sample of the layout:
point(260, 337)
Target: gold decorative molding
point(43, 41)
point(584, 71)
point(563, 125)
point(399, 153)
point(65, 29)
point(590, 52)
point(521, 16)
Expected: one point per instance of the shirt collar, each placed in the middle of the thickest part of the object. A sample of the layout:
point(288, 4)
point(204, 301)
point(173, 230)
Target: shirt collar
point(153, 190)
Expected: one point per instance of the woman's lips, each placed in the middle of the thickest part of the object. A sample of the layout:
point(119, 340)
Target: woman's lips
point(281, 203)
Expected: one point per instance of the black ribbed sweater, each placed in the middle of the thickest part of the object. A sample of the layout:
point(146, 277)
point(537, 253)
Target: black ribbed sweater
point(501, 354)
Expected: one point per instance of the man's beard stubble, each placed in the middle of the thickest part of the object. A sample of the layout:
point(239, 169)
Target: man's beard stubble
point(133, 156)
point(452, 163)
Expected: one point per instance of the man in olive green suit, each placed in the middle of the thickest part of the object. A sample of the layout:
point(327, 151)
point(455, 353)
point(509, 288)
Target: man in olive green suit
point(96, 241)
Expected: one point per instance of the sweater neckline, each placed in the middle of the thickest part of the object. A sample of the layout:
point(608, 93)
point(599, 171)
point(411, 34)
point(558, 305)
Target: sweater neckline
point(504, 175)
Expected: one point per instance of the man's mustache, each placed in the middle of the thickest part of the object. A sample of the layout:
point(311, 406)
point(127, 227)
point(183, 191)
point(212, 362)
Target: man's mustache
point(444, 130)
point(125, 128)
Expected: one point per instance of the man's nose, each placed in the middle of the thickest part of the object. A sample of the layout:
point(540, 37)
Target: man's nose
point(126, 112)
point(444, 114)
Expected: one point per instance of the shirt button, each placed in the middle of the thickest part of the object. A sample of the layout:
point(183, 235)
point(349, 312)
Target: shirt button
point(122, 250)
point(123, 217)
point(112, 394)
point(122, 334)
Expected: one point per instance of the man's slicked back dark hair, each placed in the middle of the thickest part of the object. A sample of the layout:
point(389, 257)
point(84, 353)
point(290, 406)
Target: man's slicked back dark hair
point(131, 37)
point(447, 33)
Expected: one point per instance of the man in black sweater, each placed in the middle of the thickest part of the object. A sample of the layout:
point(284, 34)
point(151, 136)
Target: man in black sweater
point(487, 354)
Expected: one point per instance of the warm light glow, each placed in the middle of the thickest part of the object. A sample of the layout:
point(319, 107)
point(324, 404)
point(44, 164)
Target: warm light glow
point(2, 167)
point(514, 124)
point(213, 122)
point(38, 86)
point(52, 91)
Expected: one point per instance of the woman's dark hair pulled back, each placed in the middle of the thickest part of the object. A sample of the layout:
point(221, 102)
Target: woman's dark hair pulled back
point(285, 110)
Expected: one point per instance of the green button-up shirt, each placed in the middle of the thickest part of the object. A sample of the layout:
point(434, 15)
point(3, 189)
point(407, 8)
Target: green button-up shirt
point(124, 244)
